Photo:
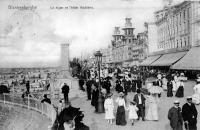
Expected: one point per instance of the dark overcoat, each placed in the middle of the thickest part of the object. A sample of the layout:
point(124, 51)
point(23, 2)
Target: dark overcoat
point(189, 113)
point(174, 117)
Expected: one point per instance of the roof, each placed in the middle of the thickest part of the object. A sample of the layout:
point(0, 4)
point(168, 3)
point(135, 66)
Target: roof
point(150, 60)
point(168, 59)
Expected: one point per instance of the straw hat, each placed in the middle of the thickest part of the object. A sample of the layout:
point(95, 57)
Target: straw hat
point(121, 94)
point(109, 94)
point(189, 98)
point(198, 80)
point(176, 102)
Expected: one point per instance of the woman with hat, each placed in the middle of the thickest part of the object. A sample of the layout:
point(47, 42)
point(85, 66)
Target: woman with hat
point(109, 108)
point(180, 90)
point(120, 117)
point(196, 95)
point(152, 111)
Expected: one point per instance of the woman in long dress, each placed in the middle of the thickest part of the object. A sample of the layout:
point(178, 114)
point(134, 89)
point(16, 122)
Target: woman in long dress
point(180, 90)
point(164, 83)
point(120, 116)
point(174, 84)
point(196, 95)
point(170, 88)
point(152, 111)
point(109, 108)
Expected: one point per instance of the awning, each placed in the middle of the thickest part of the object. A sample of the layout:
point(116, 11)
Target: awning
point(133, 63)
point(191, 61)
point(168, 59)
point(150, 60)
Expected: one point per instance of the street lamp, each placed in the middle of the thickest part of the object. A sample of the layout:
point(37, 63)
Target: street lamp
point(98, 57)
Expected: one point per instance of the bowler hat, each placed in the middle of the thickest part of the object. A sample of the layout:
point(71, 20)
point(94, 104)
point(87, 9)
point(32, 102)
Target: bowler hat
point(138, 91)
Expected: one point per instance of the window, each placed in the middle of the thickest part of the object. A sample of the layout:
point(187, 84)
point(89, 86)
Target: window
point(185, 42)
point(181, 43)
point(184, 14)
point(176, 43)
point(129, 40)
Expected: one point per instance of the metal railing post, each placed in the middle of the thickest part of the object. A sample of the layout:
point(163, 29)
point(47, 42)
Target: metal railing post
point(28, 102)
point(42, 109)
point(4, 98)
point(52, 115)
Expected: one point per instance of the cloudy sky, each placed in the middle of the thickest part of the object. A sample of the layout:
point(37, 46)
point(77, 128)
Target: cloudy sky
point(33, 37)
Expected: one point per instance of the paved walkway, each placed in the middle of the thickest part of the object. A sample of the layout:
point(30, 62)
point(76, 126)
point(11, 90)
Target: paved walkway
point(18, 118)
point(97, 121)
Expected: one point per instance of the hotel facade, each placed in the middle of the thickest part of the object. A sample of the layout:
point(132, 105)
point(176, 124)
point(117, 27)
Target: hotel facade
point(178, 32)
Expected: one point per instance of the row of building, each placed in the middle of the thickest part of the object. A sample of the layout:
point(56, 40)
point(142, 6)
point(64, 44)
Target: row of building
point(174, 37)
point(172, 40)
point(126, 48)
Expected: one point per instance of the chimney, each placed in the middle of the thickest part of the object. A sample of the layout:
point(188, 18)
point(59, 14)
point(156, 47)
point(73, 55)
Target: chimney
point(116, 31)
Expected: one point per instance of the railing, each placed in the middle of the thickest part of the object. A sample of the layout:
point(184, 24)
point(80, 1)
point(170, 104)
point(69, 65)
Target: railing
point(30, 103)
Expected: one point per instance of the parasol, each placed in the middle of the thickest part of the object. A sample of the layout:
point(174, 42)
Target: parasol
point(155, 90)
point(151, 79)
point(144, 91)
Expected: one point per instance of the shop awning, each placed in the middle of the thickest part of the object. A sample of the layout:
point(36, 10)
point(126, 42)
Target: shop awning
point(191, 61)
point(168, 59)
point(150, 60)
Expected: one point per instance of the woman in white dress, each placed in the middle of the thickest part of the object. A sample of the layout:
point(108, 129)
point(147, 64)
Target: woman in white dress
point(164, 83)
point(132, 108)
point(196, 95)
point(152, 111)
point(109, 108)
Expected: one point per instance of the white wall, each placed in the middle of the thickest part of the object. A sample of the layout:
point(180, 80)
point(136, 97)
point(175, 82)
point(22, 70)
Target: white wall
point(152, 38)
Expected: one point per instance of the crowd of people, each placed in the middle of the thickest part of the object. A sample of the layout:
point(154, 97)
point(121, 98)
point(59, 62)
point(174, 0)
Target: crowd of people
point(146, 87)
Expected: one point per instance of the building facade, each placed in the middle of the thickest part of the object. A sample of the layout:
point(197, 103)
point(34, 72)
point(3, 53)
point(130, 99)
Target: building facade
point(178, 31)
point(178, 26)
point(126, 49)
point(142, 46)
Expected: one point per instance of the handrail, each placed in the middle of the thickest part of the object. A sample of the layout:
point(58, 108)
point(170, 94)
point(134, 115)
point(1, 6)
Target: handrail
point(30, 103)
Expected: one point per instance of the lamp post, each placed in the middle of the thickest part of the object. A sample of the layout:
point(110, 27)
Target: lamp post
point(98, 56)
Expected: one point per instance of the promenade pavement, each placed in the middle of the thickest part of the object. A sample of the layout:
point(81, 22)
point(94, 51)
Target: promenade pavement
point(97, 122)
point(18, 118)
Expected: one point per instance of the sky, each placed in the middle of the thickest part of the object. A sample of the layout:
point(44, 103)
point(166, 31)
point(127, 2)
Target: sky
point(32, 37)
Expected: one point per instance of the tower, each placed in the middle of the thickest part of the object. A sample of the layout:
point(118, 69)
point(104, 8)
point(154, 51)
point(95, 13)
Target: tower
point(64, 63)
point(128, 31)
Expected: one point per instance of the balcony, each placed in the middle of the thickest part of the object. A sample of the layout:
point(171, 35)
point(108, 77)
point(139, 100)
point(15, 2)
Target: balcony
point(197, 18)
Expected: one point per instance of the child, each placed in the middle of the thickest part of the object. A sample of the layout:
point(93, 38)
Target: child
point(132, 112)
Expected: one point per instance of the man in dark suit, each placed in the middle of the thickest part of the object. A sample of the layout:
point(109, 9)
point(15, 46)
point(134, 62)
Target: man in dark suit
point(81, 83)
point(28, 87)
point(140, 100)
point(65, 91)
point(189, 113)
point(95, 96)
point(175, 117)
point(88, 88)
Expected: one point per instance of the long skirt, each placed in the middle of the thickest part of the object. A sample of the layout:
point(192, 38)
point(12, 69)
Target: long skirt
point(120, 117)
point(180, 92)
point(169, 91)
point(152, 112)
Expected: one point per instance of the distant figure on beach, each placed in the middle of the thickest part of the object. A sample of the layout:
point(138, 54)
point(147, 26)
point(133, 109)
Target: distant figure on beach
point(65, 91)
